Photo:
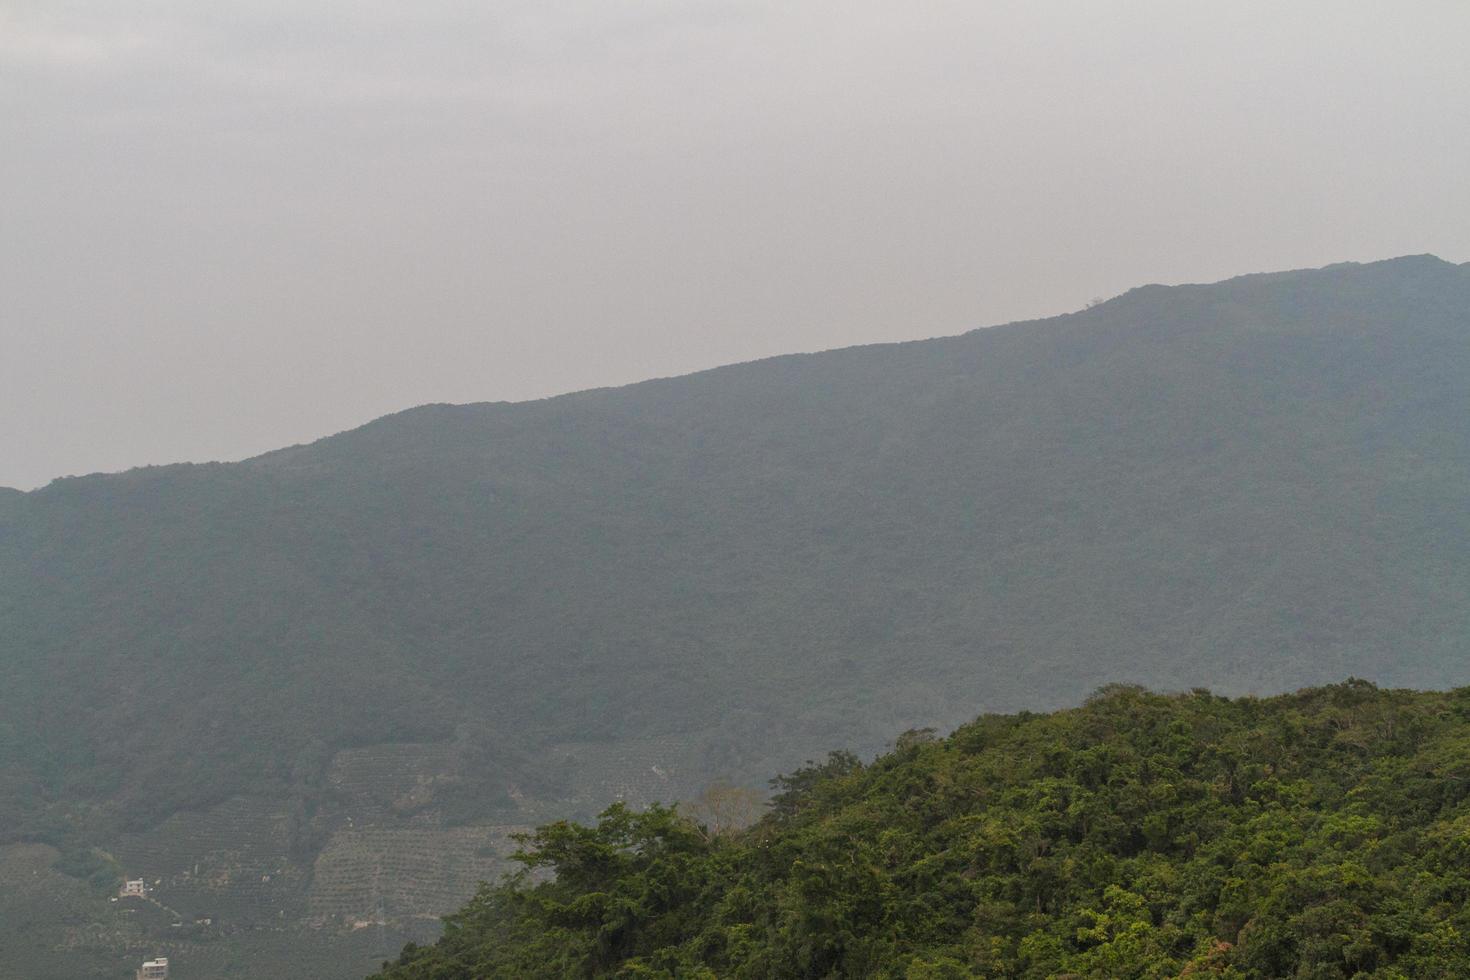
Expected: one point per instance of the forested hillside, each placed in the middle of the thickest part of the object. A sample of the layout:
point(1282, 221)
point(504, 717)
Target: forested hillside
point(264, 683)
point(1323, 834)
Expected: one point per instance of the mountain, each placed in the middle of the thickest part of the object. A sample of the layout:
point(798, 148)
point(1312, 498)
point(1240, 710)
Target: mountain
point(416, 636)
point(1320, 834)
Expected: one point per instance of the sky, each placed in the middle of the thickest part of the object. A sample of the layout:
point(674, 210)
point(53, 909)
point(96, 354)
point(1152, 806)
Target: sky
point(226, 228)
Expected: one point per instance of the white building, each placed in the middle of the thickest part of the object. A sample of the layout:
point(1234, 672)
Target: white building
point(154, 969)
point(134, 888)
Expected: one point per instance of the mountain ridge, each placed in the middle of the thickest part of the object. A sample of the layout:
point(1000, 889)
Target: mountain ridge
point(1424, 260)
point(456, 621)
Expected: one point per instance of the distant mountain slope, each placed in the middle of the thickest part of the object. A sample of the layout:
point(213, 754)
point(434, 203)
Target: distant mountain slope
point(1251, 485)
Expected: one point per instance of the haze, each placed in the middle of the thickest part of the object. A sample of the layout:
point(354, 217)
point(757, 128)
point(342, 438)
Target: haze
point(226, 228)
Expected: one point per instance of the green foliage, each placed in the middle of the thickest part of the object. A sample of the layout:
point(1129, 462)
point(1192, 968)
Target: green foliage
point(97, 868)
point(1323, 834)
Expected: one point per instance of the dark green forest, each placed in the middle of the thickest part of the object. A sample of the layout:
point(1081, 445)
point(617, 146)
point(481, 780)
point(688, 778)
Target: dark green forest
point(1323, 834)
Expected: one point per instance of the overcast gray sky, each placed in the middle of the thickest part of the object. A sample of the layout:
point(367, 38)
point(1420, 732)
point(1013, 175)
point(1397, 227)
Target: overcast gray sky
point(227, 227)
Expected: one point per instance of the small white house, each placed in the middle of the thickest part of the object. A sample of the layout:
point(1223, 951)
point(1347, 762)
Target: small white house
point(154, 969)
point(134, 888)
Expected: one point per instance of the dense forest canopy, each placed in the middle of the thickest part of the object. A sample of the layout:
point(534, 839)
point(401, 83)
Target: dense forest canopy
point(1324, 834)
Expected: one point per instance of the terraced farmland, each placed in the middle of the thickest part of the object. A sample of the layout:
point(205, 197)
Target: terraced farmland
point(398, 778)
point(404, 873)
point(327, 886)
point(638, 771)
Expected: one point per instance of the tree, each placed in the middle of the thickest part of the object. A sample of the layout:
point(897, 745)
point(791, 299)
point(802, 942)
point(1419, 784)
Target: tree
point(722, 808)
